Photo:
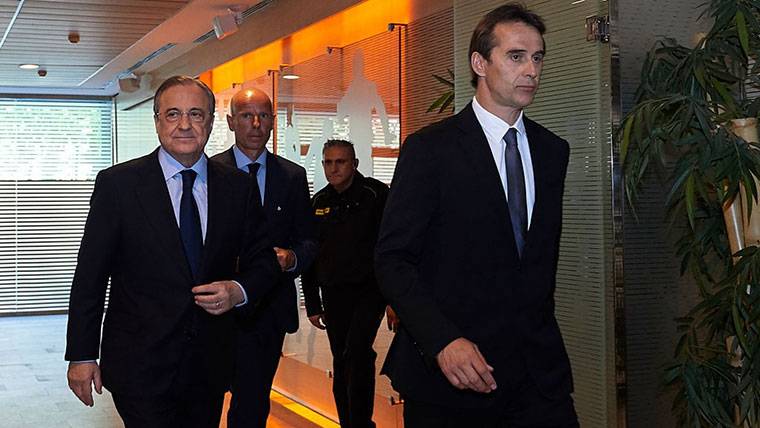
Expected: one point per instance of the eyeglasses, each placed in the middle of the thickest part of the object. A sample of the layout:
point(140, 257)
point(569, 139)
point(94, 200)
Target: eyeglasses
point(263, 117)
point(194, 115)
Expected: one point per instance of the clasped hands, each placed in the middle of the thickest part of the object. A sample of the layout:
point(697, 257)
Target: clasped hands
point(218, 297)
point(465, 367)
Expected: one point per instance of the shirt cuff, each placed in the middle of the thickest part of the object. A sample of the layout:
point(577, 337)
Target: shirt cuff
point(245, 295)
point(83, 361)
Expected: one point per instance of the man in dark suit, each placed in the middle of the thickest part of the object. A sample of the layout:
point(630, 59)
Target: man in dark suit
point(280, 185)
point(186, 252)
point(468, 248)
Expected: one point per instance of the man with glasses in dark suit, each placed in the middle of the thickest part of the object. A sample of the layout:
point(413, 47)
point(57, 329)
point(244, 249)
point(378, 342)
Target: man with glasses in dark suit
point(186, 253)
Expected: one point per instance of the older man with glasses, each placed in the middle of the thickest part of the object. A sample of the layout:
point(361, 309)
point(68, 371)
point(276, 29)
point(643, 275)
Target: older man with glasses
point(185, 249)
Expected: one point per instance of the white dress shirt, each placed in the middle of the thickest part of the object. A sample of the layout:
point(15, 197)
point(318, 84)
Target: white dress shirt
point(495, 129)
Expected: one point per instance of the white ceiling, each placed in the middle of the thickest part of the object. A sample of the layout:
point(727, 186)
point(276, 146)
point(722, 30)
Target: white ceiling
point(116, 37)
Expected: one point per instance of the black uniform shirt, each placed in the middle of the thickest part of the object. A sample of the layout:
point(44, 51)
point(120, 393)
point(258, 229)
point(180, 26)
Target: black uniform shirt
point(348, 225)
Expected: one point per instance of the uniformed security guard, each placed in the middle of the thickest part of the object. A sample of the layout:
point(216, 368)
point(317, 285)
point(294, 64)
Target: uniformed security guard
point(348, 212)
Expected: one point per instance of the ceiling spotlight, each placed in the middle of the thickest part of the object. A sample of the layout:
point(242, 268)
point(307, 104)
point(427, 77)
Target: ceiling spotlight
point(28, 66)
point(291, 76)
point(42, 72)
point(73, 37)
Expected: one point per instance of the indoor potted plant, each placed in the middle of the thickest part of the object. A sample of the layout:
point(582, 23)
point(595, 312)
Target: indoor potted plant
point(689, 108)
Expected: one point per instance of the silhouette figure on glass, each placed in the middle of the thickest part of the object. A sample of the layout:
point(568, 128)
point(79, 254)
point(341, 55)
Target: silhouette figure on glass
point(360, 100)
point(313, 159)
point(292, 138)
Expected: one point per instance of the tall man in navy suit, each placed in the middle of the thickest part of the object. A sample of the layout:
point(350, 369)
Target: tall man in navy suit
point(186, 252)
point(280, 186)
point(468, 248)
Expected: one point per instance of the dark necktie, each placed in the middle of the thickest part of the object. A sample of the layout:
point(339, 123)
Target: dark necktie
point(518, 207)
point(253, 169)
point(190, 223)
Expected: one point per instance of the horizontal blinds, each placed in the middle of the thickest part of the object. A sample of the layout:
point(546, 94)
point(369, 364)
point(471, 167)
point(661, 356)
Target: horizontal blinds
point(52, 151)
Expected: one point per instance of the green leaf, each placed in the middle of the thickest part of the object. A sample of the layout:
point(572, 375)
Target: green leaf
point(444, 81)
point(690, 200)
point(741, 28)
point(626, 140)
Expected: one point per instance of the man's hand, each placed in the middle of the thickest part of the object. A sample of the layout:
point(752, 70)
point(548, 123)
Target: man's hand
point(465, 367)
point(286, 258)
point(81, 377)
point(218, 297)
point(391, 318)
point(319, 321)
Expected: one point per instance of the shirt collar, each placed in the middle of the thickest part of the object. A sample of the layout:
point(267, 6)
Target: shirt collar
point(241, 160)
point(494, 125)
point(172, 167)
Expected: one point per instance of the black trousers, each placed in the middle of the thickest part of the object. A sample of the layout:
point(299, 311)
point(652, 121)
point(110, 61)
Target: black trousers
point(353, 317)
point(258, 354)
point(187, 408)
point(519, 405)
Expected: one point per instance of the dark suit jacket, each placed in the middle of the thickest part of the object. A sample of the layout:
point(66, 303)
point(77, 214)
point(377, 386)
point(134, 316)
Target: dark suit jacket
point(447, 262)
point(155, 338)
point(290, 225)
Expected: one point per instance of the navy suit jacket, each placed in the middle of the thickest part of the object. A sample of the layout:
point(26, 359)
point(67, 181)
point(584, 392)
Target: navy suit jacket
point(447, 262)
point(290, 225)
point(155, 339)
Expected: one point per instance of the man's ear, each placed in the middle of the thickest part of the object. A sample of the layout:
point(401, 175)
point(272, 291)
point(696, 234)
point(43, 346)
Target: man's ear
point(478, 64)
point(356, 163)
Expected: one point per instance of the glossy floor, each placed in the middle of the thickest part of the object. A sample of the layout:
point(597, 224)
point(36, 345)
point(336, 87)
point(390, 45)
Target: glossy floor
point(34, 393)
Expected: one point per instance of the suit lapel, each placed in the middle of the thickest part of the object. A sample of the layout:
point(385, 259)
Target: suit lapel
point(230, 158)
point(539, 158)
point(271, 189)
point(154, 200)
point(218, 198)
point(475, 147)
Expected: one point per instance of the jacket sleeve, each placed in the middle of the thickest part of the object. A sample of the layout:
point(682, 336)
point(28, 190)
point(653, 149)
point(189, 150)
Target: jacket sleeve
point(303, 235)
point(258, 269)
point(411, 208)
point(94, 266)
point(309, 284)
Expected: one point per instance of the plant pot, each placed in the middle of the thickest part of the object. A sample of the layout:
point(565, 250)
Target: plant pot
point(742, 229)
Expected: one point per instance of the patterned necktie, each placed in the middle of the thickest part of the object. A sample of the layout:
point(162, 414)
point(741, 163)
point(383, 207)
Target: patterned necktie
point(518, 207)
point(190, 223)
point(253, 169)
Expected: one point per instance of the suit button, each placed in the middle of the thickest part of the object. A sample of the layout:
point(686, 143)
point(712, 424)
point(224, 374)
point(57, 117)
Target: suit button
point(190, 334)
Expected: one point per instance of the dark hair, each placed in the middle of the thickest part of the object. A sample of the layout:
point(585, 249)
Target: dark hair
point(482, 40)
point(184, 80)
point(340, 143)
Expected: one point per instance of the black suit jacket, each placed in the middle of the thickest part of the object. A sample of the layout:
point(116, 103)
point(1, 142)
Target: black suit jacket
point(290, 225)
point(447, 262)
point(155, 339)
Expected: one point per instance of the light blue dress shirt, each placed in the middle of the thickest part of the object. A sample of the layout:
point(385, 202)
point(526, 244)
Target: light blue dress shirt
point(171, 169)
point(242, 162)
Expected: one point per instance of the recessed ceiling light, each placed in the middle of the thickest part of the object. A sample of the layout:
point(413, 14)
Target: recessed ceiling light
point(291, 76)
point(28, 66)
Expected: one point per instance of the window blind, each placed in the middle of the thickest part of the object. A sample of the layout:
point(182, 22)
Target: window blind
point(52, 149)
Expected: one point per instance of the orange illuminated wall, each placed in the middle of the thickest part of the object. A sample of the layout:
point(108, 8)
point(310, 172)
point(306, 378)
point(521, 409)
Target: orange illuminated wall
point(349, 26)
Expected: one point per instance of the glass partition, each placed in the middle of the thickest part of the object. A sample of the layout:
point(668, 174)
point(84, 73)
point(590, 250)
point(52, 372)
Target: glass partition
point(350, 92)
